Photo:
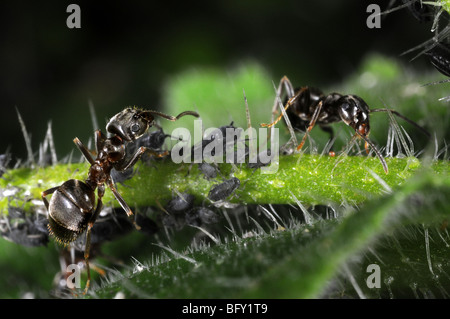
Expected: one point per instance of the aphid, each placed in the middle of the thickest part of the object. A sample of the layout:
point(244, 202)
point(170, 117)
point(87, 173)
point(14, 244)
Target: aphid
point(72, 208)
point(180, 203)
point(171, 221)
point(24, 230)
point(175, 211)
point(207, 216)
point(112, 226)
point(201, 216)
point(221, 133)
point(209, 170)
point(308, 106)
point(259, 162)
point(224, 190)
point(218, 137)
point(153, 140)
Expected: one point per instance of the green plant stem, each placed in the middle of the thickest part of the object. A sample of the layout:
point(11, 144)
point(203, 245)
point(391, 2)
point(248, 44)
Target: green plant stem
point(303, 258)
point(353, 235)
point(310, 179)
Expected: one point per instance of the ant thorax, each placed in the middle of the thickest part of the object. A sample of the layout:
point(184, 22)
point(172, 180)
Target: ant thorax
point(113, 149)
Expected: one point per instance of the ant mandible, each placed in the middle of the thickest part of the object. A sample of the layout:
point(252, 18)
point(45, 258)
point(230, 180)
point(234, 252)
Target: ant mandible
point(71, 209)
point(308, 106)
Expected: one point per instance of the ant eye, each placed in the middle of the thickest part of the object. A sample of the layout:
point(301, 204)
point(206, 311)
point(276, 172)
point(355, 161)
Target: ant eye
point(135, 127)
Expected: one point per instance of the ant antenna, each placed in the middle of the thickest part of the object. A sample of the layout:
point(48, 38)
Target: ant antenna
point(169, 117)
point(405, 118)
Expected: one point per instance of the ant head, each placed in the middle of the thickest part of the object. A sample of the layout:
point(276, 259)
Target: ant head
point(129, 124)
point(132, 123)
point(355, 113)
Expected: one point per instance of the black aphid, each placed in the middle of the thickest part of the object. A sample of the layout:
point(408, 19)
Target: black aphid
point(224, 190)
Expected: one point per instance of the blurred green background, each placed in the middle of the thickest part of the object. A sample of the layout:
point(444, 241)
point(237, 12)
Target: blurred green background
point(125, 52)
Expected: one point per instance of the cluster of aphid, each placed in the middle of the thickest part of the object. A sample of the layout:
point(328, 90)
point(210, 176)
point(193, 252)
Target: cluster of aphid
point(181, 211)
point(74, 208)
point(24, 229)
point(18, 226)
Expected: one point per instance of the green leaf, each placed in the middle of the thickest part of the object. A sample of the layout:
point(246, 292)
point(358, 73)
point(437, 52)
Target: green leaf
point(275, 243)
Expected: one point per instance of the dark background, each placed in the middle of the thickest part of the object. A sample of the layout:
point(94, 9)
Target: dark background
point(125, 50)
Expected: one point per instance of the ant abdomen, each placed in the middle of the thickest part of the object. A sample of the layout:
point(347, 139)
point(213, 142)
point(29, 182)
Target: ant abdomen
point(70, 209)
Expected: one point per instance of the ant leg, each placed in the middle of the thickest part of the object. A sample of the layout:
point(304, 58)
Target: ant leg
point(86, 257)
point(119, 198)
point(330, 143)
point(84, 150)
point(377, 152)
point(48, 192)
point(288, 104)
point(157, 154)
point(311, 125)
point(100, 139)
point(287, 85)
point(100, 192)
point(123, 166)
point(330, 131)
point(122, 202)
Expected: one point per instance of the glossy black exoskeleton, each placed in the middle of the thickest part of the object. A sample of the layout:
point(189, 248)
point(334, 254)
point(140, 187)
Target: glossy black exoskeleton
point(153, 141)
point(307, 106)
point(73, 207)
point(439, 56)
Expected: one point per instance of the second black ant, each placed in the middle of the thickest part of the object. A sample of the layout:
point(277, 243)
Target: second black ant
point(307, 106)
point(72, 209)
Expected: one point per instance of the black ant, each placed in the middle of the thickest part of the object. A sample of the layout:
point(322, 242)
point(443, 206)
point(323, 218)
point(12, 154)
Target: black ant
point(72, 208)
point(439, 56)
point(308, 106)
